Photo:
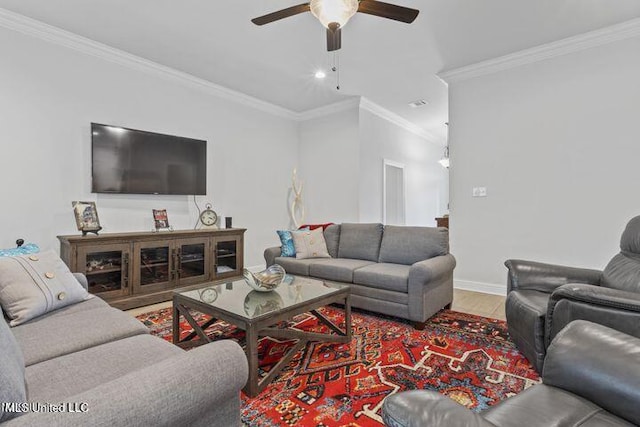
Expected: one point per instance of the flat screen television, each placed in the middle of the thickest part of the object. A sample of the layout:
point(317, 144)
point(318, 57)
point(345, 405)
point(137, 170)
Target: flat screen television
point(129, 161)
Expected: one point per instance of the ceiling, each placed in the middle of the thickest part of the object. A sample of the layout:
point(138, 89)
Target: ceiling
point(388, 62)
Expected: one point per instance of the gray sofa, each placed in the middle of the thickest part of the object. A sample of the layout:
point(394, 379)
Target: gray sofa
point(106, 366)
point(591, 378)
point(400, 271)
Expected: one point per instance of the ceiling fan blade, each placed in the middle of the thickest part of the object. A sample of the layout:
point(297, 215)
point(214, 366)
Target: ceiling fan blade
point(281, 14)
point(334, 38)
point(386, 10)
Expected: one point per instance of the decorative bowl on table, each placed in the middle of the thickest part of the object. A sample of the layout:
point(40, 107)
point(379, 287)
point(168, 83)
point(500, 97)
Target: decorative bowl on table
point(267, 280)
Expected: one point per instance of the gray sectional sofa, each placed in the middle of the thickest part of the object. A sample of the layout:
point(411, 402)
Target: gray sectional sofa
point(400, 271)
point(104, 364)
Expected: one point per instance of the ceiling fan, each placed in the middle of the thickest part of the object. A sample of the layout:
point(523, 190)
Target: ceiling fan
point(334, 14)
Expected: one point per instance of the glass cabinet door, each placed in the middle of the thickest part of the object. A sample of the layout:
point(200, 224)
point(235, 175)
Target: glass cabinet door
point(153, 266)
point(192, 260)
point(227, 254)
point(107, 269)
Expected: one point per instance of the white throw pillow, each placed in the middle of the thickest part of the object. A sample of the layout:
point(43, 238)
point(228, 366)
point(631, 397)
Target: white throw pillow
point(32, 285)
point(310, 244)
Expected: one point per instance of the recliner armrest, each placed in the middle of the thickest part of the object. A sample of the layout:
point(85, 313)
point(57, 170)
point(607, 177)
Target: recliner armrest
point(537, 276)
point(270, 254)
point(599, 364)
point(614, 308)
point(420, 408)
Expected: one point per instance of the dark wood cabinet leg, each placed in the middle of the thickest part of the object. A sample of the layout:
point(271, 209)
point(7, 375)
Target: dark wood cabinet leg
point(419, 325)
point(447, 307)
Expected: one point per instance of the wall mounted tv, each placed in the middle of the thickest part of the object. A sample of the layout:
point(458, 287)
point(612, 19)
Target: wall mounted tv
point(129, 161)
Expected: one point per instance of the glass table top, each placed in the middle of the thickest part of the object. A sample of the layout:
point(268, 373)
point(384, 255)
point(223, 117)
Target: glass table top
point(238, 298)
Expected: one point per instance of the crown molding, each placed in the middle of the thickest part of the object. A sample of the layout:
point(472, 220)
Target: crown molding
point(603, 36)
point(55, 35)
point(336, 107)
point(51, 34)
point(372, 107)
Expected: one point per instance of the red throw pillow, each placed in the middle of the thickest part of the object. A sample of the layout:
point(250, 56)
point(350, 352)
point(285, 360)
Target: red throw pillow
point(314, 226)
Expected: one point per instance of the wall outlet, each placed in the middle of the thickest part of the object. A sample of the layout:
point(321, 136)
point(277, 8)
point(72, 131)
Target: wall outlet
point(479, 192)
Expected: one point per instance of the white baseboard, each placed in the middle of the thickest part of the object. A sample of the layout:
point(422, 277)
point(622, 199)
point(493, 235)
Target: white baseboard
point(485, 288)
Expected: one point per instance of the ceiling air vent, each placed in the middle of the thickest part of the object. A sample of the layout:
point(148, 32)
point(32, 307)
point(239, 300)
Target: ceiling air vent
point(418, 103)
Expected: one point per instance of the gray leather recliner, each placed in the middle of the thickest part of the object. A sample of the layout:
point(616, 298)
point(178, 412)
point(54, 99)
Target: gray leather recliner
point(591, 378)
point(543, 298)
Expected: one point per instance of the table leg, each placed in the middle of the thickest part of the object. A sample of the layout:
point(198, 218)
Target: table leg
point(251, 350)
point(347, 316)
point(175, 323)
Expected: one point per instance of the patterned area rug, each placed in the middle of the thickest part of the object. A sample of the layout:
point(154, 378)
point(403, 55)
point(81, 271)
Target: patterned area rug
point(466, 357)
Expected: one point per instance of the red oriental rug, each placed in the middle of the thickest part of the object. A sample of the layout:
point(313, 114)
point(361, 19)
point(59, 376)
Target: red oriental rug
point(466, 357)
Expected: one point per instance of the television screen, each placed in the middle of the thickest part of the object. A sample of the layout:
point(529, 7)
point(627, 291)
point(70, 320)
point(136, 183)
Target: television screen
point(138, 162)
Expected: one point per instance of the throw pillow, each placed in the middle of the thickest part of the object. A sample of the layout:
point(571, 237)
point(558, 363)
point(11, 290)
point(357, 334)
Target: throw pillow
point(287, 248)
point(310, 244)
point(314, 226)
point(29, 248)
point(32, 285)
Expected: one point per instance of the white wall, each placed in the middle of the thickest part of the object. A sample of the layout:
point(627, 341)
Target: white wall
point(50, 94)
point(425, 180)
point(341, 165)
point(329, 167)
point(557, 144)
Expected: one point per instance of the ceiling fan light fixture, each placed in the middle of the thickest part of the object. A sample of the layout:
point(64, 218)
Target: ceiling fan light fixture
point(330, 11)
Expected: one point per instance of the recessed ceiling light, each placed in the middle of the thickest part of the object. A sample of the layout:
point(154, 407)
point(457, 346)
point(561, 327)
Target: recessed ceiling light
point(418, 103)
point(320, 74)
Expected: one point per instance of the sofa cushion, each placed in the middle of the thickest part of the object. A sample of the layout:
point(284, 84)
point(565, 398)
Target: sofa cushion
point(408, 245)
point(12, 387)
point(339, 269)
point(623, 273)
point(332, 238)
point(65, 376)
point(299, 267)
point(360, 241)
point(393, 277)
point(52, 336)
point(32, 285)
point(525, 312)
point(542, 405)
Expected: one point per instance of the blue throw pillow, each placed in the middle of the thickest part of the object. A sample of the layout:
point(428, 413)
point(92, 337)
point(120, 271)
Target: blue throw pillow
point(288, 249)
point(29, 248)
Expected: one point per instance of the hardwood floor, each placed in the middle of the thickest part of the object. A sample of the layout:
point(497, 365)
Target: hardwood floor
point(478, 303)
point(465, 301)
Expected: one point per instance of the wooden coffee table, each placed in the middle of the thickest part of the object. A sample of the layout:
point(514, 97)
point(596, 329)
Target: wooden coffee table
point(257, 313)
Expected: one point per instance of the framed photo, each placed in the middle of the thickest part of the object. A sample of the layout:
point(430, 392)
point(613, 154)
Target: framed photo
point(86, 216)
point(161, 219)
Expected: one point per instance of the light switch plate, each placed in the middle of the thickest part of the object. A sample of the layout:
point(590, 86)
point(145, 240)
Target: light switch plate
point(479, 192)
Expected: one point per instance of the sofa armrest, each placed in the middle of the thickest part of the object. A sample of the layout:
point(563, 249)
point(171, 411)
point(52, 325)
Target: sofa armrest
point(419, 408)
point(176, 391)
point(270, 254)
point(82, 279)
point(423, 273)
point(614, 308)
point(542, 277)
point(599, 364)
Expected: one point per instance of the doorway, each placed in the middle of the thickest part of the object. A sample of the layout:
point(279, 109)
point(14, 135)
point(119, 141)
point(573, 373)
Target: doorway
point(393, 197)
